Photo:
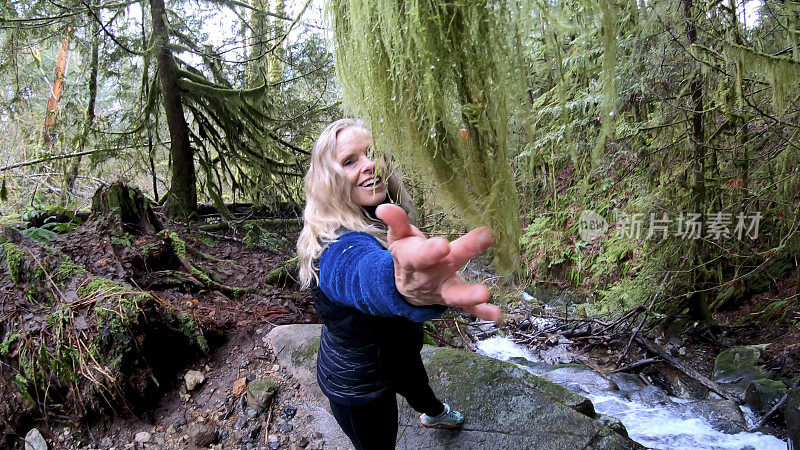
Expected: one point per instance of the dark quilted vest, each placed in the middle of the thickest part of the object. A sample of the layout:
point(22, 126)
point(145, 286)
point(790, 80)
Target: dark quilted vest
point(360, 355)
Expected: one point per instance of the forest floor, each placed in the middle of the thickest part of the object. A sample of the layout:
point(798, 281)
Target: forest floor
point(215, 414)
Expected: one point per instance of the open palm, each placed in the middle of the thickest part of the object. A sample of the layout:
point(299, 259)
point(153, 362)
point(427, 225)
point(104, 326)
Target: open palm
point(426, 269)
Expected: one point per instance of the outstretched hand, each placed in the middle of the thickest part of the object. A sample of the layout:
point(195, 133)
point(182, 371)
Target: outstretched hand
point(426, 270)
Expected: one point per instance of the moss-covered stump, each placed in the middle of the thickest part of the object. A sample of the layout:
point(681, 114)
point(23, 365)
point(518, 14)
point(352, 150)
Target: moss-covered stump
point(74, 345)
point(128, 205)
point(505, 406)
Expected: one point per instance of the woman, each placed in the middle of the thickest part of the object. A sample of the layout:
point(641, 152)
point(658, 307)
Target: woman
point(372, 301)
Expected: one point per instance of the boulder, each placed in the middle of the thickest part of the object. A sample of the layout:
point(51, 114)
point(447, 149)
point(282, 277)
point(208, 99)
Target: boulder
point(792, 414)
point(763, 394)
point(737, 367)
point(505, 406)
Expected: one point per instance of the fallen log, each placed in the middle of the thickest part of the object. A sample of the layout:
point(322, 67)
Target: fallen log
point(688, 371)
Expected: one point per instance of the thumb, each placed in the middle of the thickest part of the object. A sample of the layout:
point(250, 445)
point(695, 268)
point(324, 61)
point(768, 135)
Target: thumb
point(396, 220)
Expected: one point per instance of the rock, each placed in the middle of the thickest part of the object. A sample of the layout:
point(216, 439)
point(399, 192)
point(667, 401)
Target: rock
point(239, 387)
point(763, 394)
point(505, 406)
point(723, 415)
point(34, 440)
point(613, 423)
point(142, 437)
point(106, 442)
point(288, 412)
point(792, 415)
point(193, 378)
point(260, 393)
point(273, 441)
point(202, 435)
point(171, 429)
point(737, 367)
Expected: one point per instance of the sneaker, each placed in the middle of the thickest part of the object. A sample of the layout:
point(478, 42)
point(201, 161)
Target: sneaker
point(447, 419)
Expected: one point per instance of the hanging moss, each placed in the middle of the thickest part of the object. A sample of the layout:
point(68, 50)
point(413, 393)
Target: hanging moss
point(608, 20)
point(782, 72)
point(434, 80)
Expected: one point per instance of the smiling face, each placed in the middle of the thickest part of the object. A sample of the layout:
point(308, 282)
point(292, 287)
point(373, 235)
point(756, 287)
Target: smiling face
point(353, 153)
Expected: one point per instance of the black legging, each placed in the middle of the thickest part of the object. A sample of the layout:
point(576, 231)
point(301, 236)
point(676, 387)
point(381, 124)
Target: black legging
point(374, 426)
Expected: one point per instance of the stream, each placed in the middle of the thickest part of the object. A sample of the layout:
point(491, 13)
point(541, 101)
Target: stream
point(652, 418)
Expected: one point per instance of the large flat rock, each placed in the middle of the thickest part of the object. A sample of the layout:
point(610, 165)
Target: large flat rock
point(505, 407)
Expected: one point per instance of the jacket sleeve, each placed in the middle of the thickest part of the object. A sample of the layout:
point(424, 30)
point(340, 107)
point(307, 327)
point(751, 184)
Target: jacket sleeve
point(356, 271)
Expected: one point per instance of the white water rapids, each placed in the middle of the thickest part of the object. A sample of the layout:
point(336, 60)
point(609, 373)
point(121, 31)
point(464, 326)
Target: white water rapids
point(666, 424)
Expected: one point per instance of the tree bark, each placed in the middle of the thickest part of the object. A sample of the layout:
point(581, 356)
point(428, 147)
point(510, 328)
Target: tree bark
point(182, 195)
point(57, 87)
point(75, 164)
point(698, 301)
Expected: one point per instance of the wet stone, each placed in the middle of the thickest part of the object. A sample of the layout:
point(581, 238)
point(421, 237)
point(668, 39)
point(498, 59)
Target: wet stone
point(142, 437)
point(288, 412)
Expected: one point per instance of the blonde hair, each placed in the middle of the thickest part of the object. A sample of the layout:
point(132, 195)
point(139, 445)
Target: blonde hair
point(329, 206)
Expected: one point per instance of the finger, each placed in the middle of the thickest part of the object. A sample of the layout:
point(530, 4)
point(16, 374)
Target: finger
point(419, 253)
point(456, 292)
point(468, 246)
point(486, 312)
point(396, 219)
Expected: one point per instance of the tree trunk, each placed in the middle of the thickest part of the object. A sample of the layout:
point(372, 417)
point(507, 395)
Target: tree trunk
point(182, 195)
point(698, 301)
point(75, 164)
point(57, 87)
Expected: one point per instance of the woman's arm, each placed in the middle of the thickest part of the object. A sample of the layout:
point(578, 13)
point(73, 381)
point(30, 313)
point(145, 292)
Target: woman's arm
point(356, 271)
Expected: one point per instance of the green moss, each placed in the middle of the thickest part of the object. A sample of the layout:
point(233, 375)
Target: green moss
point(178, 245)
point(24, 385)
point(68, 269)
point(9, 339)
point(100, 285)
point(189, 328)
point(307, 352)
point(15, 261)
point(435, 83)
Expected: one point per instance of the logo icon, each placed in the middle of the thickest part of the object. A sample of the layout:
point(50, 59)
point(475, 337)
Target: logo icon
point(591, 225)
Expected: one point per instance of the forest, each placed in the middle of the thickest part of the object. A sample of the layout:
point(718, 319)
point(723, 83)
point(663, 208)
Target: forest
point(640, 158)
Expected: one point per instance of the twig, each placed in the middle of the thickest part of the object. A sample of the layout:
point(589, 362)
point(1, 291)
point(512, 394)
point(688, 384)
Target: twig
point(641, 323)
point(636, 365)
point(774, 409)
point(634, 310)
point(439, 338)
point(266, 426)
point(50, 158)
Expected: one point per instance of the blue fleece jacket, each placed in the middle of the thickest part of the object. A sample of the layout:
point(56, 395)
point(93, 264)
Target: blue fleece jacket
point(356, 271)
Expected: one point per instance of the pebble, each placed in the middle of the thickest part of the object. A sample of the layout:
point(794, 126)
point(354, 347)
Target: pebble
point(239, 387)
point(273, 441)
point(288, 412)
point(171, 429)
point(142, 437)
